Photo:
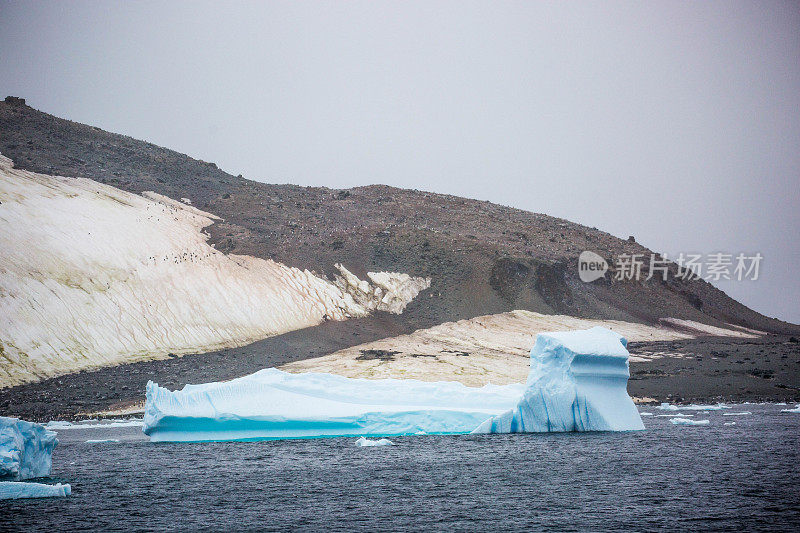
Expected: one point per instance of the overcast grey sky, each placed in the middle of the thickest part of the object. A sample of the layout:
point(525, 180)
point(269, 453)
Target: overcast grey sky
point(674, 122)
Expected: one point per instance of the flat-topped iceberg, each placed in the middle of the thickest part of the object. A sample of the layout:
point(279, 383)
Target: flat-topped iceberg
point(26, 449)
point(13, 490)
point(577, 382)
point(272, 404)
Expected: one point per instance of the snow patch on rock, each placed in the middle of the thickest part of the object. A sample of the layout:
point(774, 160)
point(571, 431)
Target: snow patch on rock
point(95, 276)
point(476, 351)
point(389, 291)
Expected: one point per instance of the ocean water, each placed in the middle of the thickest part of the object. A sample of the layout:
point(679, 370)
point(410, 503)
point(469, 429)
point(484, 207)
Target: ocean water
point(742, 477)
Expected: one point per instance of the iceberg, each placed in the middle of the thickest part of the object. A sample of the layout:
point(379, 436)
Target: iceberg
point(362, 441)
point(272, 404)
point(688, 422)
point(12, 490)
point(692, 407)
point(26, 449)
point(62, 425)
point(577, 382)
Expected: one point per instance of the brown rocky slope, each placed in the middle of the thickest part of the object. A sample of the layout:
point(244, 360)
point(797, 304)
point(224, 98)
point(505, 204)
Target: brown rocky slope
point(483, 258)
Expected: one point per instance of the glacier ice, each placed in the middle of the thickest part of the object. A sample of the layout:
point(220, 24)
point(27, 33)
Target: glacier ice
point(363, 441)
point(25, 449)
point(12, 490)
point(577, 382)
point(688, 422)
point(276, 404)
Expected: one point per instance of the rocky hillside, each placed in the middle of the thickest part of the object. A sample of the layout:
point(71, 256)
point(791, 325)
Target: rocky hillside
point(482, 258)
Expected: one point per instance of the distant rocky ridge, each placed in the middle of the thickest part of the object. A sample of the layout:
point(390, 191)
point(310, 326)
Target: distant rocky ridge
point(482, 258)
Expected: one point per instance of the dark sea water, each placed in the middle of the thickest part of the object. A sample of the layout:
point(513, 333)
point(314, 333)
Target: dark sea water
point(742, 477)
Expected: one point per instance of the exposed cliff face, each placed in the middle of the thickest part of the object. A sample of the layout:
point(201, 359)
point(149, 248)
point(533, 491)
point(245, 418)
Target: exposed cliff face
point(482, 258)
point(91, 275)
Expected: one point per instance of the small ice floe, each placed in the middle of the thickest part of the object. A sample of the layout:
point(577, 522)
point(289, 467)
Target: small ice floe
point(693, 407)
point(12, 490)
point(682, 414)
point(59, 425)
point(687, 422)
point(100, 441)
point(362, 441)
point(795, 410)
point(729, 424)
point(737, 413)
point(645, 414)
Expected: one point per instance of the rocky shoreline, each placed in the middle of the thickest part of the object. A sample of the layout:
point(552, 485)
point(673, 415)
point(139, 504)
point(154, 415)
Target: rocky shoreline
point(711, 369)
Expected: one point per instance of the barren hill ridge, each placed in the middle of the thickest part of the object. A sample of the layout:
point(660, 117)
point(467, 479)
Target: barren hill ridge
point(482, 258)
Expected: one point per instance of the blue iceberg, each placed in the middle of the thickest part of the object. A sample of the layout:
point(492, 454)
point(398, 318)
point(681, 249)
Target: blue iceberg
point(577, 382)
point(272, 404)
point(26, 449)
point(12, 490)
